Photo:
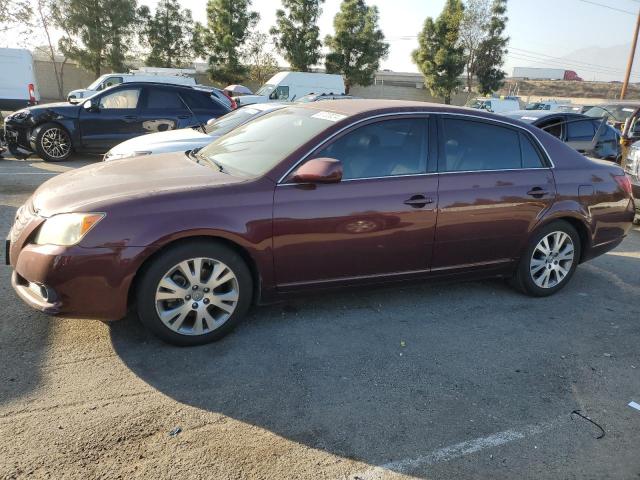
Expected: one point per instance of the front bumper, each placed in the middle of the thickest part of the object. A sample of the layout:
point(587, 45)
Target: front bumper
point(75, 281)
point(18, 137)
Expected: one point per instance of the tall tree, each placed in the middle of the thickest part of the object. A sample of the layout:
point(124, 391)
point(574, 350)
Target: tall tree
point(14, 12)
point(296, 34)
point(473, 30)
point(228, 25)
point(168, 34)
point(440, 56)
point(42, 23)
point(261, 62)
point(358, 44)
point(98, 33)
point(492, 50)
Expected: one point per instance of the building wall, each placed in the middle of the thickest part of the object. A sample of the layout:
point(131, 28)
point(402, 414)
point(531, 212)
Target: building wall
point(73, 77)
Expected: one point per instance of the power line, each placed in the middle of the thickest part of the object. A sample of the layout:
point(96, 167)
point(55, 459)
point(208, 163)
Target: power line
point(560, 65)
point(608, 6)
point(578, 63)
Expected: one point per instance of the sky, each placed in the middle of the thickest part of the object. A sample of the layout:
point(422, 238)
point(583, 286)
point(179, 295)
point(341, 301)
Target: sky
point(540, 31)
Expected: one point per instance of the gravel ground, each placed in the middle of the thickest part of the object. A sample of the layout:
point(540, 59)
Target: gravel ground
point(433, 381)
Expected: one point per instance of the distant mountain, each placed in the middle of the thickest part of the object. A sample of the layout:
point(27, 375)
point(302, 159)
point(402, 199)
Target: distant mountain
point(602, 63)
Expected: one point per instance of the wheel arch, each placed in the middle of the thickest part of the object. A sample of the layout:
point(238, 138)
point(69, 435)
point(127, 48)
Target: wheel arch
point(36, 130)
point(581, 226)
point(239, 249)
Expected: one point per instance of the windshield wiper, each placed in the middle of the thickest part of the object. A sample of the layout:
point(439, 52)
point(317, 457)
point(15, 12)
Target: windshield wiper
point(195, 153)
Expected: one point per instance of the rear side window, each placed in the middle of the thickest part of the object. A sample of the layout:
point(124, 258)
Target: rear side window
point(160, 98)
point(477, 146)
point(580, 130)
point(199, 101)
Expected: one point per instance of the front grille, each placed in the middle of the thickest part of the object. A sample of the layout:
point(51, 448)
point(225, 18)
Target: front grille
point(25, 214)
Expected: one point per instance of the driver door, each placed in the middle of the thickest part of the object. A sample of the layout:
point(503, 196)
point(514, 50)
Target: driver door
point(378, 221)
point(114, 119)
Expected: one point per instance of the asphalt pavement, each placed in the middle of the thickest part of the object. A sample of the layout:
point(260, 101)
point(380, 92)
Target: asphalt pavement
point(432, 381)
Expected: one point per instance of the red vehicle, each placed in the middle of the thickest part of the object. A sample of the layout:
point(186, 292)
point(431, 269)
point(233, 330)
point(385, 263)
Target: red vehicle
point(317, 196)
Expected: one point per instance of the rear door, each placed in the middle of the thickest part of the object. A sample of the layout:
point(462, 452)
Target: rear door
point(204, 105)
point(494, 185)
point(116, 119)
point(163, 109)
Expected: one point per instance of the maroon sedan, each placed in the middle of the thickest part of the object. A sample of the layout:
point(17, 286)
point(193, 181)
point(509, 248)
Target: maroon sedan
point(316, 196)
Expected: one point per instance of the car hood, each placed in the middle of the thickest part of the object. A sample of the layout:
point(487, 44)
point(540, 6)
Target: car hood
point(96, 187)
point(162, 141)
point(63, 109)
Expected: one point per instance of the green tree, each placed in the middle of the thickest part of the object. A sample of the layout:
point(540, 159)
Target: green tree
point(261, 62)
point(492, 50)
point(14, 13)
point(440, 55)
point(296, 34)
point(168, 34)
point(97, 33)
point(358, 44)
point(473, 30)
point(228, 25)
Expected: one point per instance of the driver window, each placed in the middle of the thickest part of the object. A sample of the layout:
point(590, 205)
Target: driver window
point(122, 99)
point(382, 149)
point(280, 93)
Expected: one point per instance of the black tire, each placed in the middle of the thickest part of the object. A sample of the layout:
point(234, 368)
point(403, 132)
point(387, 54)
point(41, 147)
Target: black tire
point(164, 262)
point(523, 279)
point(44, 147)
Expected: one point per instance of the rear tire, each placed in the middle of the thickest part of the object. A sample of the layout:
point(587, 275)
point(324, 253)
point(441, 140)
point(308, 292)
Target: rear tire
point(194, 293)
point(549, 261)
point(53, 143)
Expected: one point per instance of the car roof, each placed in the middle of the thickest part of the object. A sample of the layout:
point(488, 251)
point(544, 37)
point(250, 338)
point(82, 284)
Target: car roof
point(530, 116)
point(161, 84)
point(357, 106)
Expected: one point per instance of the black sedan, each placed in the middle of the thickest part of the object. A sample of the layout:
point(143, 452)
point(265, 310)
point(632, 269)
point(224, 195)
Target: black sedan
point(588, 135)
point(119, 113)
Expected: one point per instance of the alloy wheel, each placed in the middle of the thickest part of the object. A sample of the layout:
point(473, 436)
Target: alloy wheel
point(552, 259)
point(55, 143)
point(197, 296)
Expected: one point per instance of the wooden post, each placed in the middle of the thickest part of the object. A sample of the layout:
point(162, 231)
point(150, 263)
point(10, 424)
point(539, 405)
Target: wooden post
point(631, 56)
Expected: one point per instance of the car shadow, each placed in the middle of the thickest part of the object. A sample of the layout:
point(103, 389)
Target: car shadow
point(383, 374)
point(24, 333)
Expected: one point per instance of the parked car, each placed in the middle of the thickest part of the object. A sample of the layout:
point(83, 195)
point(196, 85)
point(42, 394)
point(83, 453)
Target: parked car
point(571, 108)
point(549, 105)
point(318, 97)
point(632, 168)
point(17, 79)
point(174, 76)
point(587, 135)
point(495, 105)
point(315, 196)
point(289, 86)
point(110, 117)
point(616, 113)
point(189, 138)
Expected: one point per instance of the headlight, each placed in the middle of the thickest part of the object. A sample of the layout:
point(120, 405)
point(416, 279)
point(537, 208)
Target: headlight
point(66, 228)
point(632, 163)
point(118, 156)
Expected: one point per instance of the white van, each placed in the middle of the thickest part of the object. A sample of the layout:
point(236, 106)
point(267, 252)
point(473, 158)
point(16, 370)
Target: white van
point(17, 79)
point(495, 104)
point(175, 76)
point(289, 86)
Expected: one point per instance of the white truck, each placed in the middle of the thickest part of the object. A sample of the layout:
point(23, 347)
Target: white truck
point(18, 87)
point(175, 76)
point(288, 86)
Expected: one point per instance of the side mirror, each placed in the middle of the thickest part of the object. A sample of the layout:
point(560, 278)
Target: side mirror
point(318, 170)
point(90, 106)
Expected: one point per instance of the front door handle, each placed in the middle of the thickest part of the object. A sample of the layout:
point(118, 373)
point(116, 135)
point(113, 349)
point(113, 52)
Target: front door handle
point(418, 201)
point(537, 192)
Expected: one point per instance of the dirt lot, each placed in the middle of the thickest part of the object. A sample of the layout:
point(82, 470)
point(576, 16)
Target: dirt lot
point(433, 381)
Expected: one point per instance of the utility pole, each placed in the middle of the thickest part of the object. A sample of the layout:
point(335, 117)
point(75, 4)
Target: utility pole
point(631, 56)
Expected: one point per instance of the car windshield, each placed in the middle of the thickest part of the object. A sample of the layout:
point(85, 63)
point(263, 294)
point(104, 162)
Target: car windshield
point(266, 89)
point(256, 147)
point(97, 82)
point(230, 121)
point(618, 113)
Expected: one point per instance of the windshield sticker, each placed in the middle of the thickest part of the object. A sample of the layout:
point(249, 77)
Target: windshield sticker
point(330, 116)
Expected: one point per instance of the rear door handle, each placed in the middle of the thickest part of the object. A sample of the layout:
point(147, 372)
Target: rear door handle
point(418, 201)
point(537, 192)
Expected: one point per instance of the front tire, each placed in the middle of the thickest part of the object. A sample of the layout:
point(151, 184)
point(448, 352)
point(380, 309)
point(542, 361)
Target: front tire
point(549, 261)
point(194, 293)
point(53, 143)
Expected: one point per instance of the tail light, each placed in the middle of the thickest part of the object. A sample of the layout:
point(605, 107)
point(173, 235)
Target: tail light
point(234, 105)
point(624, 183)
point(32, 94)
